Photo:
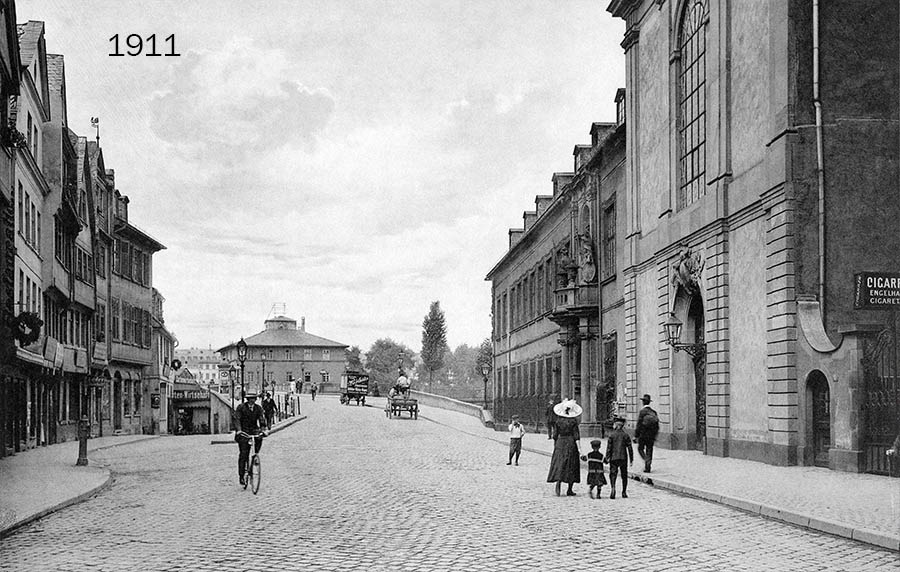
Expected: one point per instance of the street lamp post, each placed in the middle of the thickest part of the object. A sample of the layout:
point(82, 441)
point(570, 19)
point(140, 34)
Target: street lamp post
point(242, 356)
point(485, 371)
point(231, 377)
point(673, 334)
point(400, 362)
point(262, 358)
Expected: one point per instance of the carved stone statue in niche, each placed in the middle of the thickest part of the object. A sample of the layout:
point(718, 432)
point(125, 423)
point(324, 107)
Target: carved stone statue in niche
point(565, 268)
point(686, 272)
point(587, 264)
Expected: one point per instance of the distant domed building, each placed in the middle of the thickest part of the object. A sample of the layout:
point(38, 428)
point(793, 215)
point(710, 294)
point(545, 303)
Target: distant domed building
point(288, 355)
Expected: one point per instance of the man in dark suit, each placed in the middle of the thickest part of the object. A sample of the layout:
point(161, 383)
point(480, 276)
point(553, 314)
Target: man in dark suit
point(646, 431)
point(550, 419)
point(251, 420)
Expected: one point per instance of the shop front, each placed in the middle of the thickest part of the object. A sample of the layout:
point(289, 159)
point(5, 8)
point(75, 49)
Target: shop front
point(191, 409)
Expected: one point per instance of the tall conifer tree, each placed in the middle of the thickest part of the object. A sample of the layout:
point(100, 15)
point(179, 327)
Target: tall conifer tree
point(434, 340)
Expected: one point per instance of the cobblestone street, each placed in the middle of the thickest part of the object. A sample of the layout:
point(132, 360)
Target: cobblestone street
point(348, 489)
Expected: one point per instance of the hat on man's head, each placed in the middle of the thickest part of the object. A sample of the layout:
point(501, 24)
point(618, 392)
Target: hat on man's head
point(567, 408)
point(515, 416)
point(646, 399)
point(250, 395)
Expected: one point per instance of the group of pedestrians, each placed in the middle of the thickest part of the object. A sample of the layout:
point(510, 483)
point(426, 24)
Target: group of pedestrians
point(565, 463)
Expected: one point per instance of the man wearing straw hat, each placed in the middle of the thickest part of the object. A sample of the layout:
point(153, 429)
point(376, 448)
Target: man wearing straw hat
point(565, 465)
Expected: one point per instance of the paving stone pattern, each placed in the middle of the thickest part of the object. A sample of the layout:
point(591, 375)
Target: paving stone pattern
point(349, 489)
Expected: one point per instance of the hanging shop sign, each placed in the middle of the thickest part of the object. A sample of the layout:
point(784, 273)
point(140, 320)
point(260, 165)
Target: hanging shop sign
point(154, 401)
point(876, 291)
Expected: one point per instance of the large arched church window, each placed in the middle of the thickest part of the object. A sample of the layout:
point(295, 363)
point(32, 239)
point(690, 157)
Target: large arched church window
point(692, 103)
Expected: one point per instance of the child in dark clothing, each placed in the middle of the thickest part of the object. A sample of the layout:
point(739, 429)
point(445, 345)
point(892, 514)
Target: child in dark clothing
point(594, 459)
point(619, 455)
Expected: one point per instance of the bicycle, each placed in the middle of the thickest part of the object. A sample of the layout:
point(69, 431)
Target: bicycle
point(253, 468)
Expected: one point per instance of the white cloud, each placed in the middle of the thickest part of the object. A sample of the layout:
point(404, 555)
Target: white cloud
point(220, 105)
point(505, 102)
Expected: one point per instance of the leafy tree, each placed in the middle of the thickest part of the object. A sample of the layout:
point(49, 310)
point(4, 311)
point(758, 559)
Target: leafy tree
point(354, 363)
point(434, 340)
point(460, 365)
point(381, 362)
point(485, 354)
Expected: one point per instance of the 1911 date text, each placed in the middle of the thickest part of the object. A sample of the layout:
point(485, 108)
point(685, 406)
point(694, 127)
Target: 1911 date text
point(135, 45)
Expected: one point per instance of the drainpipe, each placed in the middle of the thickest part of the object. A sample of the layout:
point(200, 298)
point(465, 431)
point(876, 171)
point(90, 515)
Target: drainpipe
point(820, 169)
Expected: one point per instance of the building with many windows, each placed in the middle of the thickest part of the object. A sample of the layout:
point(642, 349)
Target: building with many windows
point(77, 272)
point(30, 111)
point(550, 338)
point(761, 178)
point(13, 402)
point(204, 364)
point(130, 304)
point(284, 358)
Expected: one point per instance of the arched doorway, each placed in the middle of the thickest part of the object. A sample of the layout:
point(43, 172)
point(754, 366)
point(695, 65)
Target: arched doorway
point(696, 324)
point(820, 416)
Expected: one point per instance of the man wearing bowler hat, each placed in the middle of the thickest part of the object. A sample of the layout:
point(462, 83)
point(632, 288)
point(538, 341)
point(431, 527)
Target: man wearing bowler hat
point(645, 431)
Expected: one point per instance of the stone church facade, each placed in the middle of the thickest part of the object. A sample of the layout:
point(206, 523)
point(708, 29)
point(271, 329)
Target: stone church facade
point(761, 175)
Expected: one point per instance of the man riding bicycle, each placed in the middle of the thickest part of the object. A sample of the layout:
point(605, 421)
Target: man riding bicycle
point(250, 419)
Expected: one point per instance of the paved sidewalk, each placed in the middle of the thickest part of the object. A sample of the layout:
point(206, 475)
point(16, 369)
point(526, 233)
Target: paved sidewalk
point(859, 506)
point(43, 480)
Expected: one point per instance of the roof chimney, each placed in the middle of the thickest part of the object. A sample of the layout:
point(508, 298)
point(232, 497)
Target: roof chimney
point(302, 323)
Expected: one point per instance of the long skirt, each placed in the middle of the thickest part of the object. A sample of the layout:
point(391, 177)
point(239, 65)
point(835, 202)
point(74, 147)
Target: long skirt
point(565, 465)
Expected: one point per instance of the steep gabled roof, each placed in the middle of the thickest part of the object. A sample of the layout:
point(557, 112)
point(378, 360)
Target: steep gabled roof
point(32, 49)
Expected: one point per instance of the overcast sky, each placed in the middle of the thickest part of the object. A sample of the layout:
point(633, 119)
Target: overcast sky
point(352, 160)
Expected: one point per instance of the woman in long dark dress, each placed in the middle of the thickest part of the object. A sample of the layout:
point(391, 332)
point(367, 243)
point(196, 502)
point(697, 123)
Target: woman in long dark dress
point(565, 465)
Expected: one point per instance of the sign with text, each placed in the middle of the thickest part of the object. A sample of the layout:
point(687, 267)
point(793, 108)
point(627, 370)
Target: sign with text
point(876, 290)
point(182, 394)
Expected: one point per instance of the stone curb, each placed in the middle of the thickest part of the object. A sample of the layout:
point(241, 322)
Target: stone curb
point(68, 502)
point(104, 447)
point(797, 519)
point(6, 531)
point(790, 517)
point(276, 429)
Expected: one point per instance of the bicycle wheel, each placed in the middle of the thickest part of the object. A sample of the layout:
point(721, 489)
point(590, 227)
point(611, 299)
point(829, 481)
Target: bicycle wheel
point(255, 473)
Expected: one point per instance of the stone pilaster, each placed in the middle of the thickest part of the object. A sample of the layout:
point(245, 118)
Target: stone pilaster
point(718, 387)
point(630, 345)
point(664, 399)
point(781, 332)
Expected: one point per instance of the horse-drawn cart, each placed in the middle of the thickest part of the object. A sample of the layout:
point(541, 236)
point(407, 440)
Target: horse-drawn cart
point(354, 385)
point(400, 403)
